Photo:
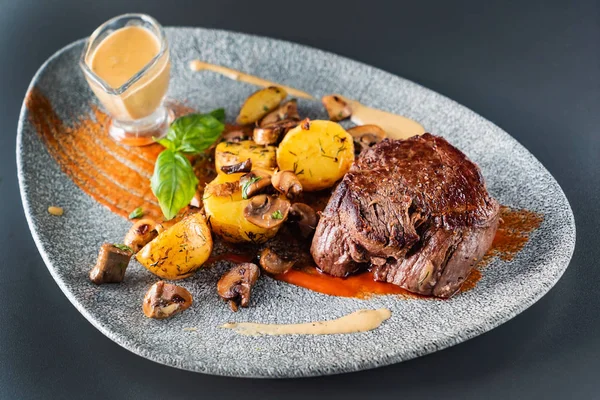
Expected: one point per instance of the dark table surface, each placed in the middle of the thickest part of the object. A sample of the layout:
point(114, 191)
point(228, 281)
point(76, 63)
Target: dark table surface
point(533, 69)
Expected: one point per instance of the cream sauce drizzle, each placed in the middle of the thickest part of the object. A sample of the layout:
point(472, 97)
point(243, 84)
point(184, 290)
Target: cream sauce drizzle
point(197, 65)
point(358, 321)
point(396, 126)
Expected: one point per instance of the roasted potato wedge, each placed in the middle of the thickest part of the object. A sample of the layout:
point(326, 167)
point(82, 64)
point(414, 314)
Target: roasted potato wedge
point(228, 153)
point(224, 207)
point(318, 152)
point(180, 250)
point(260, 103)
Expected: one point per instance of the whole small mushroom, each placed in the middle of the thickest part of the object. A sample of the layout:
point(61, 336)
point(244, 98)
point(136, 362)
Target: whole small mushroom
point(305, 217)
point(287, 110)
point(163, 300)
point(140, 234)
point(273, 264)
point(337, 108)
point(366, 136)
point(254, 182)
point(235, 285)
point(267, 211)
point(287, 183)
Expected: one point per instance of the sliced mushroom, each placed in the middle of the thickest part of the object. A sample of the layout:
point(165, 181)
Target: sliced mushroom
point(287, 183)
point(287, 110)
point(273, 264)
point(366, 136)
point(235, 136)
point(336, 107)
point(140, 234)
point(236, 284)
point(273, 132)
point(164, 300)
point(244, 166)
point(305, 217)
point(254, 182)
point(111, 265)
point(267, 211)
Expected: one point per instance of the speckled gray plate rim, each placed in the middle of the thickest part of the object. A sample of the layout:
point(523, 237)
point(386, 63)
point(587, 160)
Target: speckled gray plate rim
point(69, 244)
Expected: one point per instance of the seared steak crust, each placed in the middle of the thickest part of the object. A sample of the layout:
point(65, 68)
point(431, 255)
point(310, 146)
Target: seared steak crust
point(416, 211)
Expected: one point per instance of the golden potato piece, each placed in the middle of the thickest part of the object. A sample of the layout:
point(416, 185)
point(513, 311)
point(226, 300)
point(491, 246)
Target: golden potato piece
point(224, 207)
point(319, 153)
point(228, 153)
point(180, 250)
point(260, 103)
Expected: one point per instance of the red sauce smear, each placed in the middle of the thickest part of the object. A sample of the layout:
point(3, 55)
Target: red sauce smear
point(361, 285)
point(115, 175)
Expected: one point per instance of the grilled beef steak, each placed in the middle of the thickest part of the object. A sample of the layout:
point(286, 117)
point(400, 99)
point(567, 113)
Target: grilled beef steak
point(416, 211)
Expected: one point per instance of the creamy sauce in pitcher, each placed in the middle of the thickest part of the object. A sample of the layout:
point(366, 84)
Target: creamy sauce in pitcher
point(117, 59)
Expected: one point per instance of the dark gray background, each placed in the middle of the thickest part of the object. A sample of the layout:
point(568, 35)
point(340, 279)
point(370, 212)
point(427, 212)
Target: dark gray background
point(533, 69)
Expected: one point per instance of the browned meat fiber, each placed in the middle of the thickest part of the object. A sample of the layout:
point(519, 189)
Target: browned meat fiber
point(416, 211)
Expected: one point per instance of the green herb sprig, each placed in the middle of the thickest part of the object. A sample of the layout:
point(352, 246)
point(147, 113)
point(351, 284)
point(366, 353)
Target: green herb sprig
point(123, 247)
point(137, 213)
point(277, 215)
point(173, 181)
point(247, 184)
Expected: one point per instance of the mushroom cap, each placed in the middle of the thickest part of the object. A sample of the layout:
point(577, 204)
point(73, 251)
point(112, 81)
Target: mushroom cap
point(271, 133)
point(287, 183)
point(267, 211)
point(140, 233)
point(164, 300)
point(272, 263)
point(305, 217)
point(236, 284)
point(235, 136)
point(367, 133)
point(336, 107)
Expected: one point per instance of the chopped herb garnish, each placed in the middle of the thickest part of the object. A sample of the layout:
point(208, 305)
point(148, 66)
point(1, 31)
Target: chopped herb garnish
point(137, 213)
point(277, 215)
point(122, 247)
point(265, 108)
point(247, 184)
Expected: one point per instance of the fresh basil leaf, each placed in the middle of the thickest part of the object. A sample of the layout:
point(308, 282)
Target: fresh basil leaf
point(219, 114)
point(137, 213)
point(193, 133)
point(173, 182)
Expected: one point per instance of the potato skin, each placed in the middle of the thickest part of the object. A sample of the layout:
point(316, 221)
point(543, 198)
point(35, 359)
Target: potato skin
point(225, 214)
point(319, 155)
point(228, 153)
point(180, 250)
point(260, 103)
